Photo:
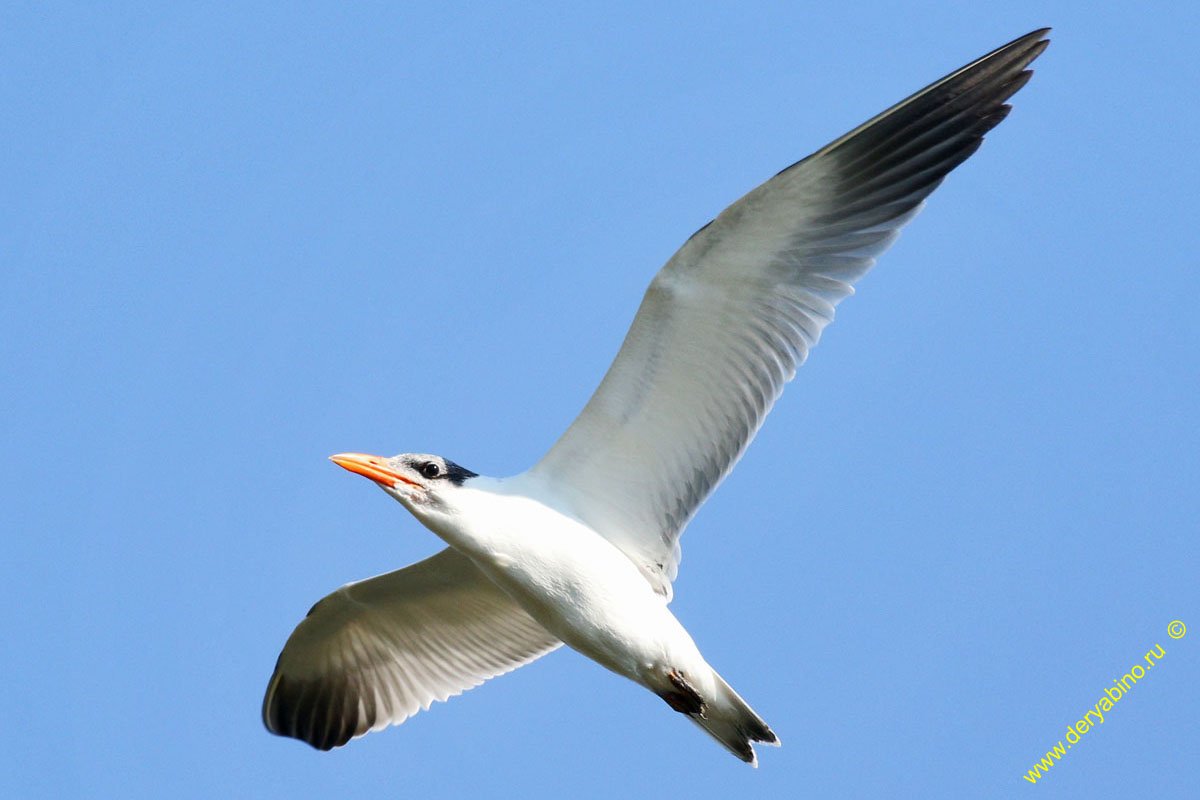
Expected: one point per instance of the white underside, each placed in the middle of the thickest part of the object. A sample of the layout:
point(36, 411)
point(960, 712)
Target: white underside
point(573, 581)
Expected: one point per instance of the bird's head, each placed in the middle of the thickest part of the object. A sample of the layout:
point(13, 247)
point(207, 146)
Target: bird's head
point(423, 484)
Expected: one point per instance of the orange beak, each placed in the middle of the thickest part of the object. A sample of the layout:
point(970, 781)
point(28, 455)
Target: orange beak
point(372, 467)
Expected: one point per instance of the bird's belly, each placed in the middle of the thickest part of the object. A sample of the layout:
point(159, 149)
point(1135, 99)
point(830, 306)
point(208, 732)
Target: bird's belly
point(589, 594)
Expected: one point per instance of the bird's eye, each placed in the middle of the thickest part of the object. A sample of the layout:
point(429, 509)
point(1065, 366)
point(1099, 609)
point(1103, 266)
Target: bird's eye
point(430, 469)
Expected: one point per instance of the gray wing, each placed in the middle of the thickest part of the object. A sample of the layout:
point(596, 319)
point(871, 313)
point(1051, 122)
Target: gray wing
point(375, 652)
point(727, 321)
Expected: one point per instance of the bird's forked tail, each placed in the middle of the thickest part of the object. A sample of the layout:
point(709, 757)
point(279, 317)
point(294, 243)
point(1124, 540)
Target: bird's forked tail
point(728, 719)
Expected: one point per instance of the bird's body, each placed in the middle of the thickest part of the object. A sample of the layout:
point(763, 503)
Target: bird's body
point(585, 591)
point(569, 578)
point(582, 548)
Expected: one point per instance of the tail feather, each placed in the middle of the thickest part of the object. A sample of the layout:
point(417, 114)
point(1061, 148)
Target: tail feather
point(728, 719)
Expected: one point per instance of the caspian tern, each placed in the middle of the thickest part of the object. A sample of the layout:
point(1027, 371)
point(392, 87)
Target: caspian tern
point(582, 548)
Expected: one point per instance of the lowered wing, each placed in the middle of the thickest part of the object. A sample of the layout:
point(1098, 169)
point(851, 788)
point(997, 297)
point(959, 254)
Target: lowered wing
point(375, 652)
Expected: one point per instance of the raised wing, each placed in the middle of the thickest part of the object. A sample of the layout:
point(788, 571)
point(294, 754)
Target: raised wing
point(727, 321)
point(375, 652)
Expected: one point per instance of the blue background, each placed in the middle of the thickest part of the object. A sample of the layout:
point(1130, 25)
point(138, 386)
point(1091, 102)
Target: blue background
point(235, 241)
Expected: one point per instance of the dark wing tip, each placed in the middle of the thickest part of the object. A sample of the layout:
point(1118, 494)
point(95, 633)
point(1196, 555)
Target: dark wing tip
point(892, 162)
point(1033, 43)
point(321, 712)
point(1002, 71)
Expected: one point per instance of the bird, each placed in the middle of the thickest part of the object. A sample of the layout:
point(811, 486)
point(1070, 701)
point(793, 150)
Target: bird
point(582, 548)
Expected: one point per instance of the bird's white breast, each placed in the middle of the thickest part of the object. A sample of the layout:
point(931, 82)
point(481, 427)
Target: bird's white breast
point(571, 579)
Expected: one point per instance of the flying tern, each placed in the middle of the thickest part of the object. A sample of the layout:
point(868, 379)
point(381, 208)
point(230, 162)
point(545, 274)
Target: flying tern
point(583, 547)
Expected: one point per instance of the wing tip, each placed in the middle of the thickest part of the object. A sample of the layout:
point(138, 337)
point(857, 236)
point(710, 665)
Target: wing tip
point(306, 711)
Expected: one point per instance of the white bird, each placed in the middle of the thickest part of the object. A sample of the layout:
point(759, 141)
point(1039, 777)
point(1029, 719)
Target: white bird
point(583, 547)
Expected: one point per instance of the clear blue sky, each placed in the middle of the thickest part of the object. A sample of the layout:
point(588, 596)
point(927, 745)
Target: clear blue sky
point(237, 241)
